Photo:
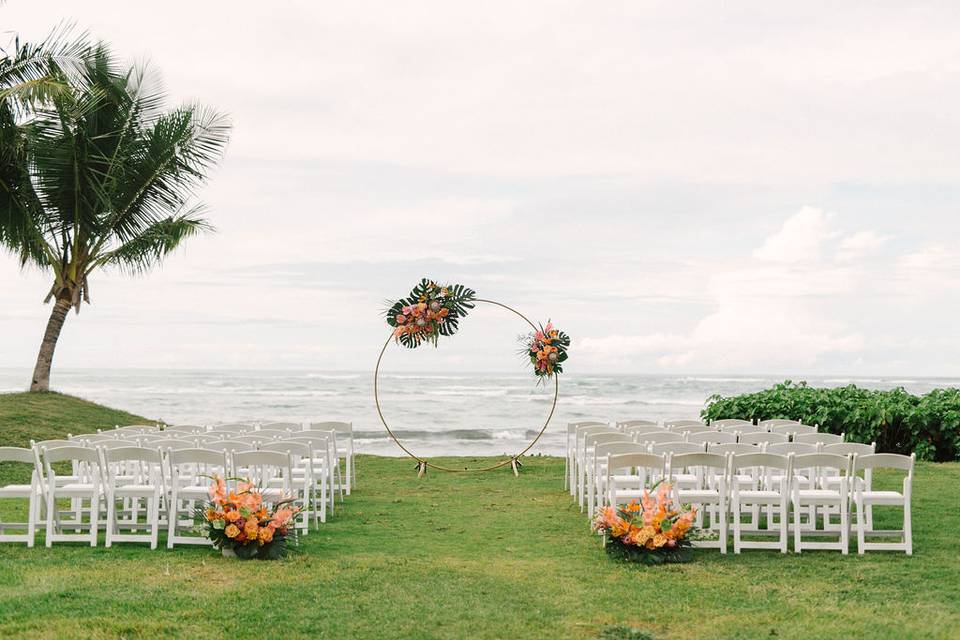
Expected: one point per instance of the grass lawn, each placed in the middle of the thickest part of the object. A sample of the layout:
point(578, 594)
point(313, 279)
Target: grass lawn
point(471, 556)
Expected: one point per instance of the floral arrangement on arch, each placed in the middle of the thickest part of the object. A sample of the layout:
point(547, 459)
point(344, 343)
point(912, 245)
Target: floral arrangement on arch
point(547, 349)
point(430, 311)
point(653, 531)
point(240, 522)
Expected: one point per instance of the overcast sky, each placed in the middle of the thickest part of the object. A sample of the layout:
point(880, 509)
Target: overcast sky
point(682, 186)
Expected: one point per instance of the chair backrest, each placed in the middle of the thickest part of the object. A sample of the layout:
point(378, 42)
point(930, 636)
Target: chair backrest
point(264, 466)
point(138, 454)
point(583, 432)
point(297, 449)
point(767, 424)
point(615, 448)
point(185, 428)
point(697, 459)
point(712, 437)
point(793, 429)
point(678, 447)
point(785, 448)
point(733, 447)
point(658, 438)
point(228, 445)
point(762, 437)
point(730, 422)
point(50, 444)
point(625, 424)
point(171, 443)
point(885, 461)
point(818, 438)
point(600, 438)
point(207, 457)
point(16, 454)
point(644, 428)
point(669, 424)
point(282, 426)
point(59, 454)
point(93, 438)
point(635, 460)
point(761, 461)
point(234, 427)
point(267, 434)
point(823, 460)
point(116, 444)
point(573, 427)
point(743, 428)
point(691, 428)
point(138, 428)
point(847, 448)
point(336, 425)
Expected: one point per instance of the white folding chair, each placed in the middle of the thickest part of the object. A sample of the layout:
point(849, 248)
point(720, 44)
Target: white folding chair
point(752, 496)
point(183, 428)
point(691, 428)
point(191, 474)
point(585, 457)
point(821, 496)
point(597, 488)
point(272, 473)
point(322, 462)
point(793, 430)
point(344, 442)
point(29, 492)
point(233, 427)
point(580, 454)
point(591, 442)
point(640, 429)
point(337, 483)
point(568, 470)
point(132, 474)
point(137, 428)
point(86, 463)
point(630, 474)
point(660, 437)
point(709, 490)
point(282, 426)
point(865, 498)
point(769, 424)
point(831, 477)
point(301, 481)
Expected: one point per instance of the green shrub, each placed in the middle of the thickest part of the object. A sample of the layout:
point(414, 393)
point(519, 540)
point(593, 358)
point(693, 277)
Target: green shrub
point(897, 421)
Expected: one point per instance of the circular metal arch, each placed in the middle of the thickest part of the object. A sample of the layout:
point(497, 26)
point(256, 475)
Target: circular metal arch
point(423, 462)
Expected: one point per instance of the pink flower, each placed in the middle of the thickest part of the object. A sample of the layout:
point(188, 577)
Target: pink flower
point(400, 318)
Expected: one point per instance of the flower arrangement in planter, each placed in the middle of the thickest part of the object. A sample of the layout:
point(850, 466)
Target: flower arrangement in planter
point(547, 350)
point(430, 311)
point(239, 523)
point(652, 531)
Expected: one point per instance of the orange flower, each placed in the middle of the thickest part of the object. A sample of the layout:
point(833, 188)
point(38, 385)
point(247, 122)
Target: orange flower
point(633, 506)
point(265, 535)
point(233, 515)
point(212, 515)
point(250, 529)
point(659, 540)
point(232, 531)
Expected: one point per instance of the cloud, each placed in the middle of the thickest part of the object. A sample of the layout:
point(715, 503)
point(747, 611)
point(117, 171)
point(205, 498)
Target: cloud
point(801, 238)
point(860, 244)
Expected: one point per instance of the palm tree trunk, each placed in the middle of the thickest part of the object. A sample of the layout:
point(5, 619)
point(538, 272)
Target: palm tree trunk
point(41, 373)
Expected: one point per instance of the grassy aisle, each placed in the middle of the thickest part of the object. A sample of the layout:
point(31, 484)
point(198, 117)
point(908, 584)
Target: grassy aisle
point(485, 556)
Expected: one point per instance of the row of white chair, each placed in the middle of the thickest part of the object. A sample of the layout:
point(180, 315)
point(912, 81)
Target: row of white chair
point(343, 432)
point(724, 487)
point(162, 479)
point(783, 429)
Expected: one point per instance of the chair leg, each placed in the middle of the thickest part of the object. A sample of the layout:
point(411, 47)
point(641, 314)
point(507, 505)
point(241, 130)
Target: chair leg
point(736, 526)
point(94, 518)
point(111, 522)
point(907, 527)
point(797, 543)
point(845, 528)
point(33, 513)
point(51, 510)
point(784, 516)
point(861, 526)
point(722, 508)
point(172, 517)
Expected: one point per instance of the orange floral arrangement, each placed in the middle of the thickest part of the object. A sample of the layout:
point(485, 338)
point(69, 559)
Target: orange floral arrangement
point(547, 350)
point(430, 311)
point(652, 531)
point(238, 520)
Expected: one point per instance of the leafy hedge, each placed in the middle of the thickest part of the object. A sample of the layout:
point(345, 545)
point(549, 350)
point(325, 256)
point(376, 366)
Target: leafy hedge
point(897, 421)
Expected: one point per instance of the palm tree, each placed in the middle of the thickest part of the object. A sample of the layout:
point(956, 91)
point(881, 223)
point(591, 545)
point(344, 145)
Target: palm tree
point(93, 172)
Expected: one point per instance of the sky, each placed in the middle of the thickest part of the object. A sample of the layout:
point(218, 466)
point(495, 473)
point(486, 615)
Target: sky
point(683, 187)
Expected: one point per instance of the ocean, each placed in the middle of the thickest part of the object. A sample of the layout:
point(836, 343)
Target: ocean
point(434, 414)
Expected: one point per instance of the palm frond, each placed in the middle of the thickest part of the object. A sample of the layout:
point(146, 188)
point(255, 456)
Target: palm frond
point(33, 74)
point(152, 244)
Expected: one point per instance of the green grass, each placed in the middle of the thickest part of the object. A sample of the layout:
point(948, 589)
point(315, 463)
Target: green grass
point(477, 556)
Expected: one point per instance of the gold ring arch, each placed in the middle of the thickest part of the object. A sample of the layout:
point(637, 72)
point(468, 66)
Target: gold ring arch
point(426, 463)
